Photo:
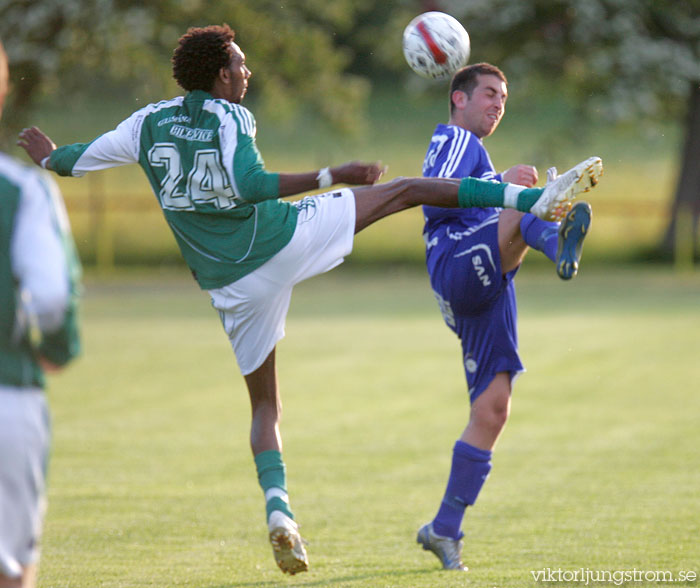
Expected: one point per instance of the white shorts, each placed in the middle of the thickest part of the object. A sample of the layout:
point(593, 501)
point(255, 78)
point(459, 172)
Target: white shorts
point(253, 309)
point(24, 452)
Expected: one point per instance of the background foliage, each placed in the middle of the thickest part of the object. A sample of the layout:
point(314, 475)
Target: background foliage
point(621, 59)
point(628, 65)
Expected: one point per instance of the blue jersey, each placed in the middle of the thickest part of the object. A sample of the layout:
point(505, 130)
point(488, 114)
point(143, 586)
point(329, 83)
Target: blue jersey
point(462, 254)
point(456, 153)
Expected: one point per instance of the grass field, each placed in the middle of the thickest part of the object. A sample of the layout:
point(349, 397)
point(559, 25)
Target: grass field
point(152, 482)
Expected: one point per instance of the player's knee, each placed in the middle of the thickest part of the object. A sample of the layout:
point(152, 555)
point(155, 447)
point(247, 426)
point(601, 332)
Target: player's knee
point(491, 416)
point(496, 420)
point(499, 415)
point(401, 191)
point(7, 582)
point(413, 192)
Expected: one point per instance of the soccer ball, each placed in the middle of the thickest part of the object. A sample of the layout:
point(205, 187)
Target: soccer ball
point(435, 45)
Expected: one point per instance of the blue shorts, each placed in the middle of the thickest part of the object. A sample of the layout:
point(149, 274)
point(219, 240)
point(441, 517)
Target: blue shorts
point(476, 300)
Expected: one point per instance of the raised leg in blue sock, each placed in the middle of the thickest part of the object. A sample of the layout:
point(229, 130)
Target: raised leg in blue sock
point(540, 235)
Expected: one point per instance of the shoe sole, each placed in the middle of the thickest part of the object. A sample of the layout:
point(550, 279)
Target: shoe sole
point(289, 552)
point(572, 233)
point(586, 176)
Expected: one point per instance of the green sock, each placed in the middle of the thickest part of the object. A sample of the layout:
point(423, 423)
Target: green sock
point(272, 477)
point(480, 193)
point(484, 194)
point(527, 198)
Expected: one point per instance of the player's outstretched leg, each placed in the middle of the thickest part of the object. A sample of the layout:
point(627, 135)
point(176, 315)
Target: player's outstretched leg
point(572, 232)
point(287, 544)
point(549, 203)
point(558, 195)
point(447, 550)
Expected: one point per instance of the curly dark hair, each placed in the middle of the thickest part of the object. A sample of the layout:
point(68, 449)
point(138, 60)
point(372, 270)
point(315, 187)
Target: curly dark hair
point(467, 78)
point(200, 54)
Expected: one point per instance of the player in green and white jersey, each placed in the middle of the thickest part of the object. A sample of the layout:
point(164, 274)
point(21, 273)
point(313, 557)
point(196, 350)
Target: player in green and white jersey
point(39, 276)
point(244, 245)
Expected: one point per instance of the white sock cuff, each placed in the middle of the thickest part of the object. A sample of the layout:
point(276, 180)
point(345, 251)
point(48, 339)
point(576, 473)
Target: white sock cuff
point(280, 520)
point(510, 195)
point(276, 493)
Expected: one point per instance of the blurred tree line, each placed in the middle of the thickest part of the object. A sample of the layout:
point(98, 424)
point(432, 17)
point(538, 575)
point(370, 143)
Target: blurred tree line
point(618, 61)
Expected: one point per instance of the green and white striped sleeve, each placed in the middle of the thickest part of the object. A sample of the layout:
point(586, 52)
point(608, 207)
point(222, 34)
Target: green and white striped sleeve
point(114, 148)
point(251, 181)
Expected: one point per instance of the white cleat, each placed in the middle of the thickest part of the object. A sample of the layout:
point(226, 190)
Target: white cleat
point(559, 193)
point(287, 544)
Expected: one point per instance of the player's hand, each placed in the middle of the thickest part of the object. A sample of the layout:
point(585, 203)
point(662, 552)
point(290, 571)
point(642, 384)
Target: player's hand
point(48, 366)
point(356, 173)
point(521, 174)
point(37, 144)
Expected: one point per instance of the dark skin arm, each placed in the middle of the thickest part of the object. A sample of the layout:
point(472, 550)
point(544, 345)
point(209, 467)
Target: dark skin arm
point(353, 173)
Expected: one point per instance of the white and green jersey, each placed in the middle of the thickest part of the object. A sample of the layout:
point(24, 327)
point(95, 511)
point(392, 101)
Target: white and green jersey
point(39, 276)
point(200, 157)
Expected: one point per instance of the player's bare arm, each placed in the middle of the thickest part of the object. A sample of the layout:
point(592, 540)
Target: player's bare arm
point(356, 173)
point(37, 144)
point(353, 173)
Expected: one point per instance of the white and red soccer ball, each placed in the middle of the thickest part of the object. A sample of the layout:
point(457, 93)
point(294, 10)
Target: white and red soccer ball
point(435, 45)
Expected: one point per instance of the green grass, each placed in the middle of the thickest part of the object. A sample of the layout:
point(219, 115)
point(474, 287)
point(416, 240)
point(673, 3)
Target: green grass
point(152, 482)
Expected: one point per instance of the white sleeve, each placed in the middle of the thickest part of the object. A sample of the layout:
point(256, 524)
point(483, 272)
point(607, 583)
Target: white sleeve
point(114, 148)
point(38, 256)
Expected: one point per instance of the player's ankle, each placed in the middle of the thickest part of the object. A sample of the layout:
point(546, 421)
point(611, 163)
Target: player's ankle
point(527, 198)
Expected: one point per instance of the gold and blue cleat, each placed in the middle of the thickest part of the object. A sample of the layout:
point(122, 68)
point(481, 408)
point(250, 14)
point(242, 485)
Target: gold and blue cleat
point(572, 232)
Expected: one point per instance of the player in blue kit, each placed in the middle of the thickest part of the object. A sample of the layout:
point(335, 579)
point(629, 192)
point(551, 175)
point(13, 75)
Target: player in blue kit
point(472, 257)
point(244, 245)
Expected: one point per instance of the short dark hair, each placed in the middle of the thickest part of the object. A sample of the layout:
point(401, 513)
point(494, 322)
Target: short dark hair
point(200, 54)
point(467, 78)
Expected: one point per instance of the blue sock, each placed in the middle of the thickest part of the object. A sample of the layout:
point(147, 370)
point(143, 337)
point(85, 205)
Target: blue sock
point(540, 235)
point(470, 468)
